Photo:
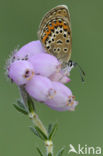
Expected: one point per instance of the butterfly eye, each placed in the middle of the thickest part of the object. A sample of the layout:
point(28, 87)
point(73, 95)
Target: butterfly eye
point(70, 63)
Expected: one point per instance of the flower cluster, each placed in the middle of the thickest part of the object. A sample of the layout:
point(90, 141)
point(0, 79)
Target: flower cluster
point(42, 76)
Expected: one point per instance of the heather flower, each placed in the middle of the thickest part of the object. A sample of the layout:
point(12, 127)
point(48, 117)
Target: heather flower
point(65, 108)
point(45, 64)
point(63, 99)
point(40, 88)
point(59, 76)
point(47, 85)
point(28, 50)
point(20, 72)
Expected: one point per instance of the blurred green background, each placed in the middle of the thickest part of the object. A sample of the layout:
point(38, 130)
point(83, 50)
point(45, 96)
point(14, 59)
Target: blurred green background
point(19, 21)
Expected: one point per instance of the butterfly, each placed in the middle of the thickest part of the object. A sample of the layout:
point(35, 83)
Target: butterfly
point(56, 36)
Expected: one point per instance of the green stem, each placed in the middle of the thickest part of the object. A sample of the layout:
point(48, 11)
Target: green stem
point(49, 147)
point(37, 122)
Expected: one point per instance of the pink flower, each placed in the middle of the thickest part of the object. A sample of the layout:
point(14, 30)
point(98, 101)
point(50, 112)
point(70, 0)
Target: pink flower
point(40, 88)
point(45, 64)
point(65, 108)
point(63, 99)
point(47, 85)
point(60, 77)
point(20, 72)
point(28, 50)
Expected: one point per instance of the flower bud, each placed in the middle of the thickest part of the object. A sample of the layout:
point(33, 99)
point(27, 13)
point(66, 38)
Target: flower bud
point(40, 88)
point(65, 108)
point(60, 77)
point(63, 99)
point(64, 79)
point(45, 64)
point(28, 50)
point(20, 72)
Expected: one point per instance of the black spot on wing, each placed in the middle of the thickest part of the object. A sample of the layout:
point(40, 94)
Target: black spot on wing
point(59, 41)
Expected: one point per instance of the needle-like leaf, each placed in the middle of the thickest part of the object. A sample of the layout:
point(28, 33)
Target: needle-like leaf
point(53, 131)
point(39, 151)
point(30, 103)
point(41, 133)
point(20, 109)
point(60, 152)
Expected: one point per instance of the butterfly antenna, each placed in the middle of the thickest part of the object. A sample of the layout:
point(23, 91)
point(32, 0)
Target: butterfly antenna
point(82, 73)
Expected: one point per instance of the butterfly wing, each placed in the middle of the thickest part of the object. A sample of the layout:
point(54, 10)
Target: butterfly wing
point(55, 33)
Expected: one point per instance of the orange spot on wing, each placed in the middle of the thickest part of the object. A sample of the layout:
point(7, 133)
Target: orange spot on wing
point(65, 26)
point(59, 24)
point(44, 38)
point(51, 28)
point(47, 33)
point(54, 24)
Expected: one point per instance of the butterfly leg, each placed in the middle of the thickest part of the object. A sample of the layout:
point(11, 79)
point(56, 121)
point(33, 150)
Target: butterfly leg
point(72, 64)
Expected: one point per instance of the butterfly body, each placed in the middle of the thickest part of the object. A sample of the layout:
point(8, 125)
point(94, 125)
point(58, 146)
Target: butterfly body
point(55, 33)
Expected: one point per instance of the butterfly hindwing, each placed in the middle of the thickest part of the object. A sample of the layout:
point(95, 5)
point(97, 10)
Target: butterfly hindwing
point(55, 33)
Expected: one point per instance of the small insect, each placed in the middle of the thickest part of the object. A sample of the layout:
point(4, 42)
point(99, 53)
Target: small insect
point(56, 36)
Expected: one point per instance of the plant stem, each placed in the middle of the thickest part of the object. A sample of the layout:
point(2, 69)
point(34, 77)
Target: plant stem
point(49, 147)
point(37, 122)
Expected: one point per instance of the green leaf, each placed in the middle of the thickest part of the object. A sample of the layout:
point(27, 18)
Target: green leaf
point(38, 133)
point(39, 151)
point(50, 128)
point(44, 137)
point(20, 103)
point(20, 109)
point(53, 131)
point(60, 152)
point(50, 154)
point(30, 103)
point(35, 132)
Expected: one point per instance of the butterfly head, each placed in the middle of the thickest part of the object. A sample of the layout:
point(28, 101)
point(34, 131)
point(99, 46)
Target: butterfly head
point(72, 64)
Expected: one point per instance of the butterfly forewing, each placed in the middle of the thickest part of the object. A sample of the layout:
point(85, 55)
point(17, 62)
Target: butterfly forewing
point(55, 33)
